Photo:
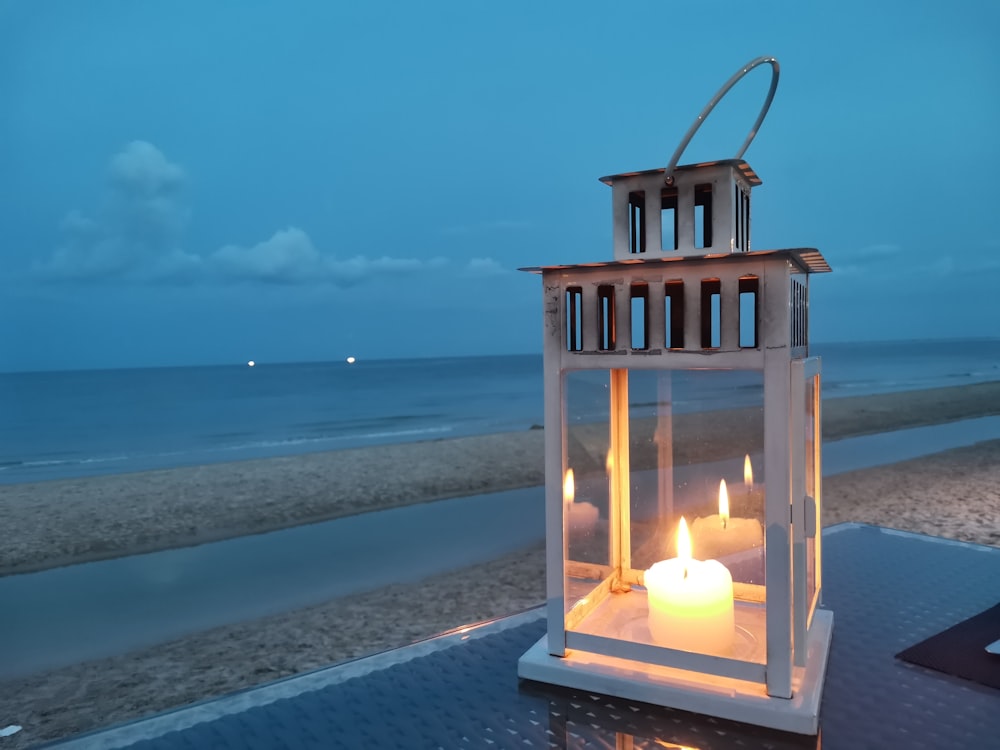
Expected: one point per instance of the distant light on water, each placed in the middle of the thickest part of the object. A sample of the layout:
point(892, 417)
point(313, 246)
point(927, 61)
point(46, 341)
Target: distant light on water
point(351, 360)
point(251, 363)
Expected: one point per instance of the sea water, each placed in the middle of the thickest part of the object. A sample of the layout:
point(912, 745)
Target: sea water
point(56, 425)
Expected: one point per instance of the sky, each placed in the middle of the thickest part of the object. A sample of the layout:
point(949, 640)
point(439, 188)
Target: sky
point(186, 183)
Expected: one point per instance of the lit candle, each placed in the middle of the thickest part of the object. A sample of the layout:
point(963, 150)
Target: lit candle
point(719, 535)
point(754, 503)
point(580, 517)
point(690, 602)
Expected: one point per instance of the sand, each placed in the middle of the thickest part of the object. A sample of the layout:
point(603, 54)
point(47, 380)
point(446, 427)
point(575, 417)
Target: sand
point(955, 494)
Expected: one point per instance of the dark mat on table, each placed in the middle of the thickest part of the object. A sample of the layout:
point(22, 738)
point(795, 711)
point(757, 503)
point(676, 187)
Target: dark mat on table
point(961, 650)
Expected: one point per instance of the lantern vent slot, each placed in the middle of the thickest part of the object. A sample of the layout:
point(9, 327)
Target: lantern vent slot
point(668, 219)
point(711, 313)
point(800, 309)
point(703, 215)
point(745, 222)
point(606, 318)
point(741, 204)
point(673, 314)
point(640, 316)
point(749, 311)
point(738, 223)
point(574, 319)
point(637, 221)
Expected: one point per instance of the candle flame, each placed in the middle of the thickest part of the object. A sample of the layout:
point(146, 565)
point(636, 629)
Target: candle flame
point(683, 543)
point(569, 487)
point(723, 503)
point(609, 464)
point(747, 472)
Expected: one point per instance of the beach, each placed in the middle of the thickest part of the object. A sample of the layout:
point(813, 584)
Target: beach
point(955, 494)
point(63, 522)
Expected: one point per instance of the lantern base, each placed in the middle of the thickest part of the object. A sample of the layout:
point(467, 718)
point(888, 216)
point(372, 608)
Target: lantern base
point(691, 691)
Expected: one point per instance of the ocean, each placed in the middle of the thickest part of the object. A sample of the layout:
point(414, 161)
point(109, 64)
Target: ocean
point(58, 425)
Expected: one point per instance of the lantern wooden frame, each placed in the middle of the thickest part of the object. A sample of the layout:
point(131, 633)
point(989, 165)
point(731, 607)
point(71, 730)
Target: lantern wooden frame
point(588, 326)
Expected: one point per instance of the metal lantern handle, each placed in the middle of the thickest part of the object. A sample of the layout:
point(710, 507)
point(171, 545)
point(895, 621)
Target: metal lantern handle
point(775, 70)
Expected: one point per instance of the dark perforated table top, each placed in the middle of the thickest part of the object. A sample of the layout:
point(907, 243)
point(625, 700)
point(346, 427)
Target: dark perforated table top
point(888, 590)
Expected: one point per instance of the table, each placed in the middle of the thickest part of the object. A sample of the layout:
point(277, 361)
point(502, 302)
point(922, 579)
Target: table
point(888, 590)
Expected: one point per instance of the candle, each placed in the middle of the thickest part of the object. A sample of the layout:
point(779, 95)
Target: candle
point(753, 505)
point(720, 535)
point(690, 602)
point(581, 517)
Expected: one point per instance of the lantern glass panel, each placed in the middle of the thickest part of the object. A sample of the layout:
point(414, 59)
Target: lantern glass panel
point(587, 420)
point(689, 431)
point(646, 448)
point(812, 500)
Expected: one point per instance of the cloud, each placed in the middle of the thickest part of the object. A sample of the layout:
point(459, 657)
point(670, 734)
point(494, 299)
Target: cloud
point(140, 169)
point(857, 261)
point(137, 237)
point(484, 267)
point(289, 257)
point(139, 224)
point(360, 267)
point(963, 263)
point(928, 266)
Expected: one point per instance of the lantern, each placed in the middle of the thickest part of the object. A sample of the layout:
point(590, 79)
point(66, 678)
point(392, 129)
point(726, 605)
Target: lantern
point(682, 449)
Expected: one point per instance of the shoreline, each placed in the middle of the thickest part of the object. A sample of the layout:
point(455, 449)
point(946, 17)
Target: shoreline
point(954, 494)
point(64, 522)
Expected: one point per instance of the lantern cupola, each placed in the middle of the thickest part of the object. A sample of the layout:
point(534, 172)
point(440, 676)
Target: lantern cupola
point(705, 209)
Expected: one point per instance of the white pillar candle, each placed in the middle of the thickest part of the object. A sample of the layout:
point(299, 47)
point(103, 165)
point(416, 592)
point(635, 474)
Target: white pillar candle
point(691, 602)
point(719, 535)
point(581, 517)
point(712, 538)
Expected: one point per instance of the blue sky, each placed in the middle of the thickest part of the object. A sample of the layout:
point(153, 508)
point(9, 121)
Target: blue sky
point(190, 183)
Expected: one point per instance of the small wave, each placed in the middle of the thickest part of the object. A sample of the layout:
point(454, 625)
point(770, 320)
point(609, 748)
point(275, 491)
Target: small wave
point(283, 443)
point(850, 385)
point(104, 460)
point(210, 454)
point(978, 374)
point(398, 433)
point(53, 462)
point(353, 437)
point(360, 423)
point(46, 462)
point(77, 461)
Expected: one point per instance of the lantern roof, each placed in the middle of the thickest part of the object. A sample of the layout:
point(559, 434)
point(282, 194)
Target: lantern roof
point(741, 166)
point(808, 259)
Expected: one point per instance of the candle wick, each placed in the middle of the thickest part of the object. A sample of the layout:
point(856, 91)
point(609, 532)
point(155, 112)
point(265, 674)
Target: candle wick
point(724, 522)
point(685, 572)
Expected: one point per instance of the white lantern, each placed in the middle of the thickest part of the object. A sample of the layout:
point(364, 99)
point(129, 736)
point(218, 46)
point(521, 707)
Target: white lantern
point(682, 444)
